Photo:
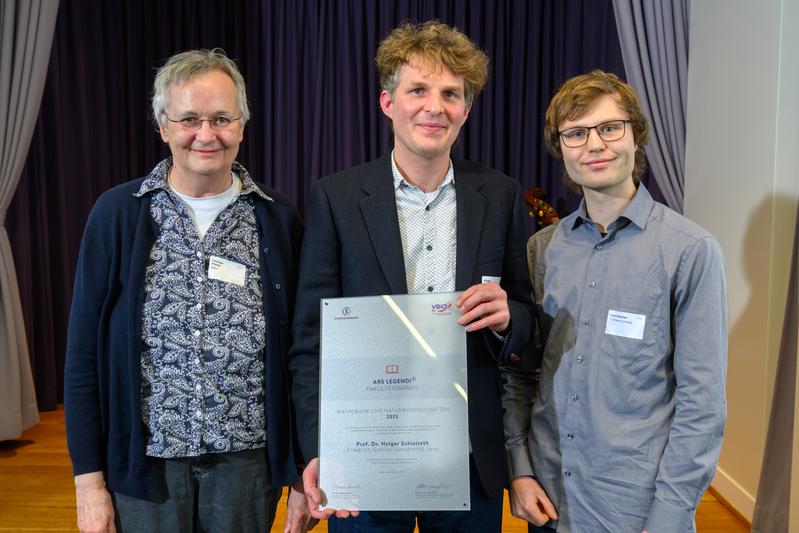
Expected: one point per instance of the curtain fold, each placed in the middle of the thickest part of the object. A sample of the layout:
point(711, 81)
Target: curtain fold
point(772, 506)
point(26, 35)
point(654, 44)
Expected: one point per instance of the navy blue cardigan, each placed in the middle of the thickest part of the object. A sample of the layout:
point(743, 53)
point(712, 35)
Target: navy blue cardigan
point(102, 382)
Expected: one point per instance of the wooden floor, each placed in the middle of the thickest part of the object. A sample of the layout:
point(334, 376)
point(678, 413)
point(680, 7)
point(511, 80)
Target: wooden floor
point(37, 494)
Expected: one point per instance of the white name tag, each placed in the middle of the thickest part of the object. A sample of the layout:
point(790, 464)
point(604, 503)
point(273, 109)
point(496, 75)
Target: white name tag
point(491, 279)
point(227, 271)
point(624, 324)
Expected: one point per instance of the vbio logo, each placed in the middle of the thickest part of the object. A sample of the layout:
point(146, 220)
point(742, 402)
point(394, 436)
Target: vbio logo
point(441, 308)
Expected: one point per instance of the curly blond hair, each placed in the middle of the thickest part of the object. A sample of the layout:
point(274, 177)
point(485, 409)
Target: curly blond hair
point(437, 42)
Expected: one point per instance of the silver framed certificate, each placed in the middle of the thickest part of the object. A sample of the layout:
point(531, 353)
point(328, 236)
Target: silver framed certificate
point(393, 417)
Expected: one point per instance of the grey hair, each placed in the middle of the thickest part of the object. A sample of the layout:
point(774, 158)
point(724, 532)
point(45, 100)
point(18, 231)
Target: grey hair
point(188, 65)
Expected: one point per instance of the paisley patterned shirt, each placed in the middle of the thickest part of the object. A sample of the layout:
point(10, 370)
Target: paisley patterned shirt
point(202, 338)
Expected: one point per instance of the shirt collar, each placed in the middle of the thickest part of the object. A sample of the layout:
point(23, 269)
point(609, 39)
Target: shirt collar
point(399, 180)
point(157, 179)
point(637, 211)
point(580, 215)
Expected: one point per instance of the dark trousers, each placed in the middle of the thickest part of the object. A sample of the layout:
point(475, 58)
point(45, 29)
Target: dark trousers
point(223, 492)
point(485, 516)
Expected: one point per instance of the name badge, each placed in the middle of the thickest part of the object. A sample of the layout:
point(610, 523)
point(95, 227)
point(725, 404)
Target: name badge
point(491, 279)
point(624, 324)
point(227, 271)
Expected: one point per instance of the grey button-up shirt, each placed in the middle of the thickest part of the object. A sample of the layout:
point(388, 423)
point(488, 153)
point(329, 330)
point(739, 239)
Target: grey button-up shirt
point(624, 428)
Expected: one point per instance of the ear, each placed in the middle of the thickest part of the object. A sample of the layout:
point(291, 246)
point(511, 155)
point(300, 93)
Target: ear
point(468, 110)
point(386, 103)
point(163, 131)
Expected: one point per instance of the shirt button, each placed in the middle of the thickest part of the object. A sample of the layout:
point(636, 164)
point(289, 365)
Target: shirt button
point(567, 473)
point(198, 306)
point(266, 250)
point(429, 247)
point(277, 286)
point(586, 322)
point(196, 332)
point(430, 289)
point(598, 247)
point(579, 358)
point(199, 254)
point(199, 278)
point(570, 436)
point(198, 387)
point(196, 360)
point(592, 283)
point(198, 413)
point(427, 208)
point(574, 397)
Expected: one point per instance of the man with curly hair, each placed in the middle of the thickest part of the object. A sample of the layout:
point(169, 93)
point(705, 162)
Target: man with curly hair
point(415, 221)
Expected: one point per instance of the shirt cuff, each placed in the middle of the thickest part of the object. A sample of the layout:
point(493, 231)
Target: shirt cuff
point(667, 518)
point(519, 463)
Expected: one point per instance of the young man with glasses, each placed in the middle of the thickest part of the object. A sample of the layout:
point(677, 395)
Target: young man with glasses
point(623, 428)
point(177, 407)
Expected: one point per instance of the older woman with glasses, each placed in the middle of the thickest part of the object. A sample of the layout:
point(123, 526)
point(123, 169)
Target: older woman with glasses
point(176, 403)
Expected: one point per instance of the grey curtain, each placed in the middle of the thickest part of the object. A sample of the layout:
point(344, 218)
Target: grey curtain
point(26, 35)
point(654, 45)
point(774, 490)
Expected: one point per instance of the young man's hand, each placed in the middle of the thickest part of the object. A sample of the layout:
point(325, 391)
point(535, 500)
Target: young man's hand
point(530, 502)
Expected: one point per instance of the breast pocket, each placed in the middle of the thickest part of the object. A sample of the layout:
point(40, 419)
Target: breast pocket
point(631, 368)
point(630, 331)
point(633, 320)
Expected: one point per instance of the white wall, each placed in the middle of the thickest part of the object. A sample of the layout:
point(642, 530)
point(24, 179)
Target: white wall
point(742, 183)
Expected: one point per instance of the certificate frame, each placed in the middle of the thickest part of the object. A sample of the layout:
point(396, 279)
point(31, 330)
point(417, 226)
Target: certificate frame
point(393, 404)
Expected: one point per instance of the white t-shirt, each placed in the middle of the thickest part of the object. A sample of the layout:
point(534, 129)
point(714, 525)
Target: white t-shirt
point(204, 210)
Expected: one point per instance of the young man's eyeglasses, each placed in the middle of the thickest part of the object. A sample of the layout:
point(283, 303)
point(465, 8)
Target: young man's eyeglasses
point(217, 123)
point(607, 131)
